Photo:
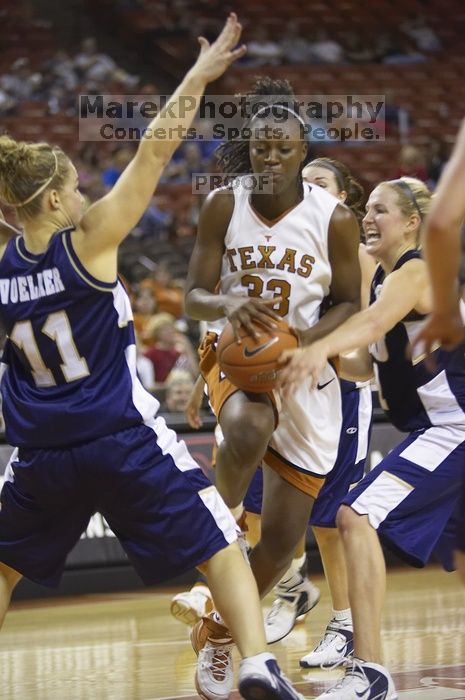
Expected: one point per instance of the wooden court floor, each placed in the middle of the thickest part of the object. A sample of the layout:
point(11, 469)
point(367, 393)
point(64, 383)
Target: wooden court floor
point(128, 647)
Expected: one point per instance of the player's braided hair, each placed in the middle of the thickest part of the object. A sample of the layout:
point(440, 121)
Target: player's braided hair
point(233, 155)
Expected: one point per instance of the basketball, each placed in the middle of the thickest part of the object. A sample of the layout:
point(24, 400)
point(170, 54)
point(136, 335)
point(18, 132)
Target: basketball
point(252, 365)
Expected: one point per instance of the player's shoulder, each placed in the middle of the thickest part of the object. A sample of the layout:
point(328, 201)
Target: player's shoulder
point(218, 207)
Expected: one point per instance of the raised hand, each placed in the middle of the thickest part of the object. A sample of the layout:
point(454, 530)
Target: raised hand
point(215, 58)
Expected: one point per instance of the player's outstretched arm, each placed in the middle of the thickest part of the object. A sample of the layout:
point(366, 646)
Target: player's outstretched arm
point(442, 246)
point(110, 219)
point(404, 290)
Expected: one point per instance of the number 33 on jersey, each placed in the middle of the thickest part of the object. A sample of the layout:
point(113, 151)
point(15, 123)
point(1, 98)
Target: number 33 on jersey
point(286, 258)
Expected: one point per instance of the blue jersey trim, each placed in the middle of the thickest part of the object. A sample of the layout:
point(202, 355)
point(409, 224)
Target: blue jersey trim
point(80, 269)
point(24, 252)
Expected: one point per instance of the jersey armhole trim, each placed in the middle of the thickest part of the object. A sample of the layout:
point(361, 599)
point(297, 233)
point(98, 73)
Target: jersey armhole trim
point(79, 268)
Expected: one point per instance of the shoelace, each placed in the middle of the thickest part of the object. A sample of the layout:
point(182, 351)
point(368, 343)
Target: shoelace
point(274, 610)
point(325, 642)
point(217, 660)
point(330, 634)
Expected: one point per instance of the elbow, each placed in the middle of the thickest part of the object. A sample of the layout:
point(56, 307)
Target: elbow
point(189, 305)
point(192, 307)
point(377, 328)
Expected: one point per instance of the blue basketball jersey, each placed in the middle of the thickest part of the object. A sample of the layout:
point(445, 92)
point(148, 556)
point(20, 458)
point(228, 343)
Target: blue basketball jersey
point(69, 372)
point(413, 396)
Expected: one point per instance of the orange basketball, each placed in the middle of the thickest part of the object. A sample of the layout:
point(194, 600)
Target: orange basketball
point(252, 365)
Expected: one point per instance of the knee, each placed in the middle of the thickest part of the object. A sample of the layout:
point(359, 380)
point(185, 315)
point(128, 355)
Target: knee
point(348, 521)
point(250, 432)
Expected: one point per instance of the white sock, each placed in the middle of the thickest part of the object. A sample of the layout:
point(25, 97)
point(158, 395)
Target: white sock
point(237, 511)
point(202, 588)
point(292, 577)
point(343, 618)
point(297, 563)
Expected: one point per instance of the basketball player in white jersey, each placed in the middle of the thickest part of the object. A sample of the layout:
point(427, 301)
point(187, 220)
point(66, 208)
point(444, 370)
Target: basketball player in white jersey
point(443, 251)
point(276, 255)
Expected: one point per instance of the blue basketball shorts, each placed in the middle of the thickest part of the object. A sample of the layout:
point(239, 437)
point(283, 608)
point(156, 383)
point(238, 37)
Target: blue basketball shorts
point(411, 496)
point(350, 462)
point(164, 511)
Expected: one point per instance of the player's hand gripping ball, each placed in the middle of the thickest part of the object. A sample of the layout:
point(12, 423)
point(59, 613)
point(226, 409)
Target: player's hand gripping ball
point(252, 365)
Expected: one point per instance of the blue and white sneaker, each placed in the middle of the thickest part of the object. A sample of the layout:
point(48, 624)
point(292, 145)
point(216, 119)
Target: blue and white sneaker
point(291, 604)
point(363, 680)
point(260, 678)
point(337, 644)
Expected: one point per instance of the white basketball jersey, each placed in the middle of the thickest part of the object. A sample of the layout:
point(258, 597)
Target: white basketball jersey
point(287, 258)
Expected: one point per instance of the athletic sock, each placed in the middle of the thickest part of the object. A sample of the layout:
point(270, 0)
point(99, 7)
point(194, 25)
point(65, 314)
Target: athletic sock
point(343, 618)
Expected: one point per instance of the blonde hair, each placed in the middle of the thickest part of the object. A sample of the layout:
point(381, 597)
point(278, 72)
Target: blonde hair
point(414, 197)
point(27, 170)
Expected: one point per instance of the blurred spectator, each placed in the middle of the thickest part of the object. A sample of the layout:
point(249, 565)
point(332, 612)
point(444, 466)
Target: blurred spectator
point(412, 163)
point(437, 155)
point(168, 294)
point(358, 50)
point(7, 102)
point(188, 160)
point(99, 67)
point(170, 347)
point(183, 226)
point(162, 352)
point(326, 50)
point(294, 48)
point(404, 53)
point(156, 220)
point(261, 50)
point(59, 70)
point(119, 160)
point(21, 83)
point(145, 369)
point(145, 307)
point(179, 385)
point(425, 38)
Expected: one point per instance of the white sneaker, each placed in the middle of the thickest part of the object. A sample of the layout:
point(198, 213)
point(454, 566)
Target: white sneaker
point(363, 681)
point(214, 677)
point(337, 644)
point(291, 603)
point(190, 606)
point(260, 678)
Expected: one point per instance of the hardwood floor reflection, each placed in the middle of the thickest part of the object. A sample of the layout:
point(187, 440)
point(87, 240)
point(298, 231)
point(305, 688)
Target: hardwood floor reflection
point(128, 647)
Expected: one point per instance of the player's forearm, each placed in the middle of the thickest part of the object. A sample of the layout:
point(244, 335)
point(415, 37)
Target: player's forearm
point(171, 125)
point(332, 319)
point(442, 253)
point(205, 306)
point(357, 332)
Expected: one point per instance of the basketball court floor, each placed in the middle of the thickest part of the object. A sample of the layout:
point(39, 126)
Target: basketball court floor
point(126, 646)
